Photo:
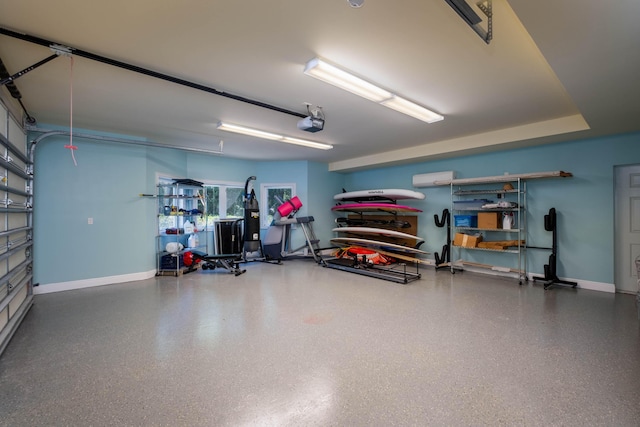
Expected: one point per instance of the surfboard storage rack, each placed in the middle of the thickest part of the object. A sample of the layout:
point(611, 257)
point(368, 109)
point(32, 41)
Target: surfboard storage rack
point(373, 225)
point(398, 272)
point(379, 241)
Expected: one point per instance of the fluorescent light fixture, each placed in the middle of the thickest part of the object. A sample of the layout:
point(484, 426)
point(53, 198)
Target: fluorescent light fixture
point(412, 109)
point(304, 142)
point(333, 75)
point(248, 131)
point(271, 136)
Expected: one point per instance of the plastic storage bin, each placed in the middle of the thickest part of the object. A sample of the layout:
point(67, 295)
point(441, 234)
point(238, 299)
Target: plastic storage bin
point(171, 262)
point(465, 220)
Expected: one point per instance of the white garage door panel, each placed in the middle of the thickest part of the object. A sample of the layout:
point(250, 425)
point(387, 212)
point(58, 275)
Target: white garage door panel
point(15, 226)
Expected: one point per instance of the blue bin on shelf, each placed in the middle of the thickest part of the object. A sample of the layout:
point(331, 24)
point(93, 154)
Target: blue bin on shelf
point(465, 220)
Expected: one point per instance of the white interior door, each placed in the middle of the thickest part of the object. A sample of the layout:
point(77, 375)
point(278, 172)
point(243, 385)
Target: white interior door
point(627, 227)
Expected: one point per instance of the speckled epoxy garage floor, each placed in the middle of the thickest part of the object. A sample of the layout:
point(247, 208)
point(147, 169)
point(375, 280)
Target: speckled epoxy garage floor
point(302, 345)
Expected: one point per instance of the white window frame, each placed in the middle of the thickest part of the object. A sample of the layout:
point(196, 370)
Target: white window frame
point(166, 179)
point(223, 202)
point(265, 222)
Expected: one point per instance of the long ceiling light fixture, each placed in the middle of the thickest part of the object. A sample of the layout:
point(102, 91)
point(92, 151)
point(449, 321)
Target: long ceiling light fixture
point(331, 74)
point(272, 136)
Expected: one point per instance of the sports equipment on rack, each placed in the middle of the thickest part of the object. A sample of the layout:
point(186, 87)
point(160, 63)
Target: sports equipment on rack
point(381, 232)
point(374, 244)
point(391, 194)
point(374, 207)
point(360, 222)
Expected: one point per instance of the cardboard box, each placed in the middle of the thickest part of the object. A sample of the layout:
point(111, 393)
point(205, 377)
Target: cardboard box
point(466, 240)
point(491, 220)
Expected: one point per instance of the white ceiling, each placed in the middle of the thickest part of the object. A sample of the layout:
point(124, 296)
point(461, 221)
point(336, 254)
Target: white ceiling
point(555, 70)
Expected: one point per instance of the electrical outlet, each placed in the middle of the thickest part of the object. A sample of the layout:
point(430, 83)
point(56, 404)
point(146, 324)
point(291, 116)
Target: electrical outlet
point(90, 221)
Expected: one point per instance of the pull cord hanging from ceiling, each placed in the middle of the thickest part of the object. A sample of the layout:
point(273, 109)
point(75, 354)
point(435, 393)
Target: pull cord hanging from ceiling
point(70, 146)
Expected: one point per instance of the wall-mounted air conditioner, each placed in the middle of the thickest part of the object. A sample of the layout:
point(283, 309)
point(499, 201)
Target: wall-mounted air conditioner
point(429, 179)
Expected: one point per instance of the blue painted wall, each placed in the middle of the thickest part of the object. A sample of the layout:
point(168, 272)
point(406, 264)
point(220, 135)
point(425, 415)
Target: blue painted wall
point(215, 168)
point(106, 183)
point(323, 186)
point(585, 203)
point(104, 186)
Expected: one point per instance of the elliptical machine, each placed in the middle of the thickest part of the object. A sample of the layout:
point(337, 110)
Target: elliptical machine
point(278, 237)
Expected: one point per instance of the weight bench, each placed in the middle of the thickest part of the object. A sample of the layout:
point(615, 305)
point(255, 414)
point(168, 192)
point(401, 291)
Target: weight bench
point(229, 262)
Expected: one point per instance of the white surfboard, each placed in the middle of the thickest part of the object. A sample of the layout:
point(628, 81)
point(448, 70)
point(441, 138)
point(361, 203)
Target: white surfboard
point(374, 244)
point(377, 232)
point(379, 194)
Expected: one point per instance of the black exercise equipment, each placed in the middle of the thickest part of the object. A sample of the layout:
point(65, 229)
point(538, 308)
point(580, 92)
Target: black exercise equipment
point(228, 248)
point(251, 239)
point(550, 271)
point(444, 260)
point(229, 262)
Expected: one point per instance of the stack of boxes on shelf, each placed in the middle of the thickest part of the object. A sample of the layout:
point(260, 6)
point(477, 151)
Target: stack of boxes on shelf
point(493, 220)
point(469, 220)
point(467, 240)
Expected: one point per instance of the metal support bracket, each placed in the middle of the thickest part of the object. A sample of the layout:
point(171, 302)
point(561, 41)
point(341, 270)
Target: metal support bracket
point(60, 50)
point(10, 79)
point(486, 7)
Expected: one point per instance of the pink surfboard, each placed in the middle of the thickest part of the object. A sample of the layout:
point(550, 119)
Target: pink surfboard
point(374, 207)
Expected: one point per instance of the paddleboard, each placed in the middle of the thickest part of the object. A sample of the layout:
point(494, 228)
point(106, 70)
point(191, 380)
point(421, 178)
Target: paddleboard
point(357, 222)
point(374, 244)
point(371, 207)
point(379, 194)
point(378, 232)
point(404, 257)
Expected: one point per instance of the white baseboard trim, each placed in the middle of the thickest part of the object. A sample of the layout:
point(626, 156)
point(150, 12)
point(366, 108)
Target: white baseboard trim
point(111, 280)
point(587, 284)
point(90, 283)
point(582, 284)
point(596, 286)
